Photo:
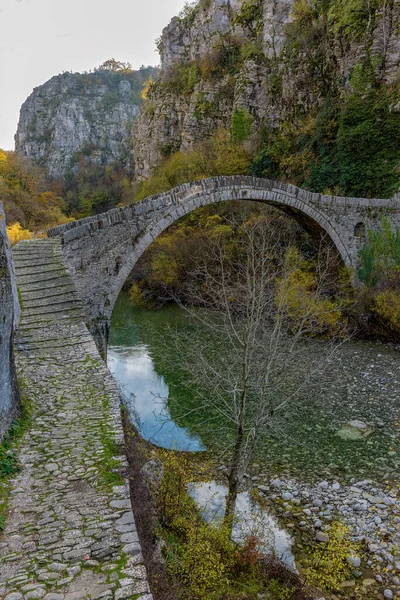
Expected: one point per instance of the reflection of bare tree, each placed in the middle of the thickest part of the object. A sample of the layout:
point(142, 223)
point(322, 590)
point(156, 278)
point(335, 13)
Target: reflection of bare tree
point(247, 366)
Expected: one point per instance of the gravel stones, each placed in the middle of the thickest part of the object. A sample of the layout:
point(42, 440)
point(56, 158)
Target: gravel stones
point(370, 510)
point(354, 561)
point(322, 537)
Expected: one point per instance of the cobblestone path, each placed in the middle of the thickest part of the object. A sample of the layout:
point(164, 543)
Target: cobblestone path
point(70, 533)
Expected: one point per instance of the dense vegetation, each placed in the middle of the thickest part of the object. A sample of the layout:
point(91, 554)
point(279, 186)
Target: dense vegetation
point(380, 274)
point(336, 135)
point(219, 155)
point(28, 198)
point(203, 563)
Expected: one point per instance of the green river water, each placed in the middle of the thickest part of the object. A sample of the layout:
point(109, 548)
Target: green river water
point(363, 385)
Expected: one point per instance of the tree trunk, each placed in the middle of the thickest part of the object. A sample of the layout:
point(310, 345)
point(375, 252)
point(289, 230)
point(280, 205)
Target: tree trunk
point(234, 479)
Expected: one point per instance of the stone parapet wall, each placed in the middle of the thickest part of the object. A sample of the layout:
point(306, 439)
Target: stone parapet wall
point(101, 251)
point(9, 315)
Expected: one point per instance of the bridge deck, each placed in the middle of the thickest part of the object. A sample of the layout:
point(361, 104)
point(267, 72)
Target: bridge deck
point(70, 532)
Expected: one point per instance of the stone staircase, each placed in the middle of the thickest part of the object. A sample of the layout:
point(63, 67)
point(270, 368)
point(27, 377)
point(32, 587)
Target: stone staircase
point(70, 532)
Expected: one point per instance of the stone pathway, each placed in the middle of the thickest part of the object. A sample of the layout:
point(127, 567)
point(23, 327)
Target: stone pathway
point(70, 533)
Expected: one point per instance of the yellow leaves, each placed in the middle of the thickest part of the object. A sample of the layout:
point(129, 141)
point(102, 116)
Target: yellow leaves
point(164, 269)
point(16, 234)
point(201, 567)
point(25, 195)
point(301, 10)
point(297, 295)
point(199, 556)
point(146, 88)
point(3, 162)
point(387, 306)
point(328, 564)
point(135, 294)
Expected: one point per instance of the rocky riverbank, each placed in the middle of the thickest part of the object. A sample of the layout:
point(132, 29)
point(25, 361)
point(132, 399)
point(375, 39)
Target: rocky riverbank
point(370, 510)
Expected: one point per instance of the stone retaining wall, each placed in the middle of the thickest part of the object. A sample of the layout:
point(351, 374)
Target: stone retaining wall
point(9, 315)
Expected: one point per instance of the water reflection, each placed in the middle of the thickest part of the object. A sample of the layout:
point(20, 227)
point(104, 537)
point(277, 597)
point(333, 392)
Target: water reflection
point(251, 519)
point(145, 393)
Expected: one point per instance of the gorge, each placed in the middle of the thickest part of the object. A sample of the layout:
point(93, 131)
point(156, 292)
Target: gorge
point(290, 105)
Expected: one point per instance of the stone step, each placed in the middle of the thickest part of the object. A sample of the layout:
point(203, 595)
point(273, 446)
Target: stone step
point(47, 285)
point(54, 343)
point(51, 317)
point(25, 257)
point(50, 301)
point(43, 294)
point(42, 261)
point(55, 331)
point(27, 251)
point(29, 328)
point(36, 278)
point(43, 311)
point(34, 270)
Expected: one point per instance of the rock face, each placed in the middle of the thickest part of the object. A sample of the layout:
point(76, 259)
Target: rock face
point(215, 64)
point(9, 313)
point(91, 114)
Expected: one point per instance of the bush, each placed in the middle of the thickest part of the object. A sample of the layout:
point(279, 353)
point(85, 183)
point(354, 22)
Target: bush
point(250, 17)
point(16, 234)
point(328, 565)
point(183, 78)
point(203, 563)
point(304, 300)
point(216, 156)
point(135, 294)
point(387, 306)
point(380, 256)
point(242, 122)
point(28, 198)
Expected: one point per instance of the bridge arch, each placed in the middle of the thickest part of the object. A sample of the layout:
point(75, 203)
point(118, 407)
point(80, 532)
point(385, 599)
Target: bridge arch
point(305, 214)
point(101, 251)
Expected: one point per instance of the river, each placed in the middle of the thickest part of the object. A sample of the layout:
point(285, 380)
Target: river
point(363, 386)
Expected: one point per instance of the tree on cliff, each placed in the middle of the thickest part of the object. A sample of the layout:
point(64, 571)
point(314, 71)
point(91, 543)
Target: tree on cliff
point(116, 66)
point(247, 373)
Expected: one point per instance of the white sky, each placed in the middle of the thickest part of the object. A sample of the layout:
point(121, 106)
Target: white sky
point(42, 38)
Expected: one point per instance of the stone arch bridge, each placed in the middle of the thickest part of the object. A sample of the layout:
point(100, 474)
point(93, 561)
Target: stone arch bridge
point(101, 251)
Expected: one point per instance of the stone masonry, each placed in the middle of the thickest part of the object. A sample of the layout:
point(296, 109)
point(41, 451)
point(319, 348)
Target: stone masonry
point(101, 251)
point(9, 315)
point(70, 532)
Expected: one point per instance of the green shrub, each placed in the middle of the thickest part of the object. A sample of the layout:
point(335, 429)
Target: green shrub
point(215, 156)
point(250, 17)
point(242, 122)
point(183, 78)
point(252, 51)
point(380, 256)
point(263, 165)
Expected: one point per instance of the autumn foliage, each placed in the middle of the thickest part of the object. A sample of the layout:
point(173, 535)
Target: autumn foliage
point(29, 200)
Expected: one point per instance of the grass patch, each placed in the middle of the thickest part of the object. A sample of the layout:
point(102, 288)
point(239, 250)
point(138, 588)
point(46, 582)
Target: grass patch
point(110, 466)
point(9, 464)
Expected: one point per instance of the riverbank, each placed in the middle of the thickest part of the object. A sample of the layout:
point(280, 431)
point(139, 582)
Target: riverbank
point(370, 510)
point(165, 515)
point(337, 460)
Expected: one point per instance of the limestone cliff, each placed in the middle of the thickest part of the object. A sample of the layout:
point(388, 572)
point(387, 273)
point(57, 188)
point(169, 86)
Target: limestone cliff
point(9, 315)
point(267, 61)
point(91, 114)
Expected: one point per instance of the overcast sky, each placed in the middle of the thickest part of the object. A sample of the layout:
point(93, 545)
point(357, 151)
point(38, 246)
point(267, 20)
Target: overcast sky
point(42, 38)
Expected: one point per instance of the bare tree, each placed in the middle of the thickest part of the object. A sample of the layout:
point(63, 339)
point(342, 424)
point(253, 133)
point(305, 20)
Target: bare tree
point(252, 365)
